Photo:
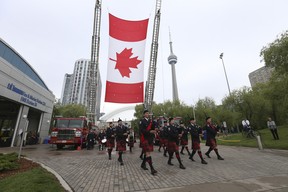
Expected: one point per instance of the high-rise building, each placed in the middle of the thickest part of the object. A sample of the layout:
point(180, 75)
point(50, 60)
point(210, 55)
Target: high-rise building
point(80, 83)
point(172, 60)
point(75, 86)
point(66, 89)
point(261, 75)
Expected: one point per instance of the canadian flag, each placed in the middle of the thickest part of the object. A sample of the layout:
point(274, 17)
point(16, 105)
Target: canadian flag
point(125, 69)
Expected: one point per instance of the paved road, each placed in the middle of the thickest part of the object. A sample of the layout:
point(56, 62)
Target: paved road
point(243, 170)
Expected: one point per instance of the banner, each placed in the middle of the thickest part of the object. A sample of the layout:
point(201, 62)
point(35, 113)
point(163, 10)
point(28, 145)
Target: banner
point(125, 69)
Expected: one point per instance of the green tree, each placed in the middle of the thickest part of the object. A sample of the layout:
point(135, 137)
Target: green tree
point(71, 110)
point(275, 54)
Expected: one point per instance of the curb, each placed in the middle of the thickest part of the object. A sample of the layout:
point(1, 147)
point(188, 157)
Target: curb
point(60, 179)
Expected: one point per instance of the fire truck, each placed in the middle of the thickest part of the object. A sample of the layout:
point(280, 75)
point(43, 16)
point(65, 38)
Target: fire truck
point(69, 131)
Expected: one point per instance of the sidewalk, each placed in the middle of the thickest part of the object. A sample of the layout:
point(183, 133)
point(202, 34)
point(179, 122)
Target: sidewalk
point(243, 170)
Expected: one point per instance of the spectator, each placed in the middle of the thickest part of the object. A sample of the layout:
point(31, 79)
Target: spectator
point(273, 128)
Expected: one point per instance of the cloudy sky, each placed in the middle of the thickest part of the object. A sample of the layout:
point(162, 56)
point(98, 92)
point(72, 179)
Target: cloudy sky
point(52, 34)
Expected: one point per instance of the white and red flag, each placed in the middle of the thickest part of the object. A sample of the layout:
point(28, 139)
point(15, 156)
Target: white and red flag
point(125, 70)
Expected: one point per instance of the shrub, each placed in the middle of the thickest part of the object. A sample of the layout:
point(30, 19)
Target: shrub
point(8, 161)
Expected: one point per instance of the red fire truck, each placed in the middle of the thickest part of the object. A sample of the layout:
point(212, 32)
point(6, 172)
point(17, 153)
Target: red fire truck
point(69, 131)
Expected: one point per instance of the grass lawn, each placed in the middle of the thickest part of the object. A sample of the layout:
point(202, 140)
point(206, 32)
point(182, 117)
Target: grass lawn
point(36, 180)
point(266, 137)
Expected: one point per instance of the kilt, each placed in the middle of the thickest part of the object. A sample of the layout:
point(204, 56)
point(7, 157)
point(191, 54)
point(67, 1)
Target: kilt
point(184, 142)
point(110, 143)
point(121, 145)
point(165, 142)
point(162, 141)
point(195, 145)
point(131, 143)
point(211, 143)
point(172, 147)
point(146, 146)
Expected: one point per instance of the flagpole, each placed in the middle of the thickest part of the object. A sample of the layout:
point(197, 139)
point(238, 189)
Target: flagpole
point(221, 57)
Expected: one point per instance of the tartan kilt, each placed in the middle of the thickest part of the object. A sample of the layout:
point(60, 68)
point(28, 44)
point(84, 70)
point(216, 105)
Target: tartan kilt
point(184, 142)
point(166, 142)
point(121, 145)
point(110, 143)
point(162, 141)
point(211, 143)
point(131, 143)
point(172, 147)
point(195, 145)
point(146, 146)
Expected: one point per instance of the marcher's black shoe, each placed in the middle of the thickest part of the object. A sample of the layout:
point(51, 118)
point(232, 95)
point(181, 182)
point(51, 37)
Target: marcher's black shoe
point(182, 166)
point(109, 158)
point(169, 163)
point(204, 162)
point(121, 163)
point(191, 158)
point(153, 171)
point(220, 158)
point(207, 154)
point(144, 167)
point(165, 155)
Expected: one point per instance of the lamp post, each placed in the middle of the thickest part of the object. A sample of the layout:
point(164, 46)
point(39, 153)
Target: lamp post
point(221, 57)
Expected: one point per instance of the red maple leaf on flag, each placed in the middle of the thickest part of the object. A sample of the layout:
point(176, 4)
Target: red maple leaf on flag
point(124, 62)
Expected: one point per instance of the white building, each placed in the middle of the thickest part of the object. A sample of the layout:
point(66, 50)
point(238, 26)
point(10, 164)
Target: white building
point(79, 87)
point(75, 86)
point(26, 103)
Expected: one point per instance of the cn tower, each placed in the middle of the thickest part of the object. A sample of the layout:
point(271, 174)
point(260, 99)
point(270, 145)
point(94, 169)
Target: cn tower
point(172, 60)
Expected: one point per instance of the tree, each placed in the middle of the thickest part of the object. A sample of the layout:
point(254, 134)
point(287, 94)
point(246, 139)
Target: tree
point(275, 54)
point(71, 110)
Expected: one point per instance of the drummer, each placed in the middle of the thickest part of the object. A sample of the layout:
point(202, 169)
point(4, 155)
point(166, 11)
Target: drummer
point(101, 137)
point(121, 135)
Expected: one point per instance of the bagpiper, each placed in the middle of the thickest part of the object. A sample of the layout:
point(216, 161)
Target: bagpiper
point(184, 138)
point(196, 133)
point(173, 143)
point(110, 135)
point(147, 130)
point(211, 132)
point(121, 135)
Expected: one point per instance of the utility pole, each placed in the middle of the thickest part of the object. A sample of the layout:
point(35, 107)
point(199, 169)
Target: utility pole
point(221, 57)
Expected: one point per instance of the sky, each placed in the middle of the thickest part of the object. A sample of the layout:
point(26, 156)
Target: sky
point(52, 34)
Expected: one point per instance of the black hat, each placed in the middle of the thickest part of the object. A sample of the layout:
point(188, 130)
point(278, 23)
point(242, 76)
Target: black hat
point(145, 111)
point(192, 119)
point(119, 120)
point(165, 121)
point(170, 119)
point(208, 118)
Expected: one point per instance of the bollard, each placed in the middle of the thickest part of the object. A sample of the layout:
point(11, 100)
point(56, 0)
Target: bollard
point(259, 143)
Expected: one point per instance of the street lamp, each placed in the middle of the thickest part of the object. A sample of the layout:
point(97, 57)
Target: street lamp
point(221, 57)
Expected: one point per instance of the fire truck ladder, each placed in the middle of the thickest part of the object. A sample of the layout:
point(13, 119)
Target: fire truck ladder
point(150, 83)
point(94, 64)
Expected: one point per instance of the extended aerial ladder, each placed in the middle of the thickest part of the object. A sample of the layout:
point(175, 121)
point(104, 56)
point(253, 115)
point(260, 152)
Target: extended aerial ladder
point(94, 65)
point(150, 83)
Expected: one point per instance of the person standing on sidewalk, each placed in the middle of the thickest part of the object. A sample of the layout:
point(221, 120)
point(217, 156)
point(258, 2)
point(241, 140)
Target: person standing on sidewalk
point(147, 129)
point(273, 128)
point(173, 143)
point(121, 135)
point(110, 135)
point(211, 131)
point(195, 132)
